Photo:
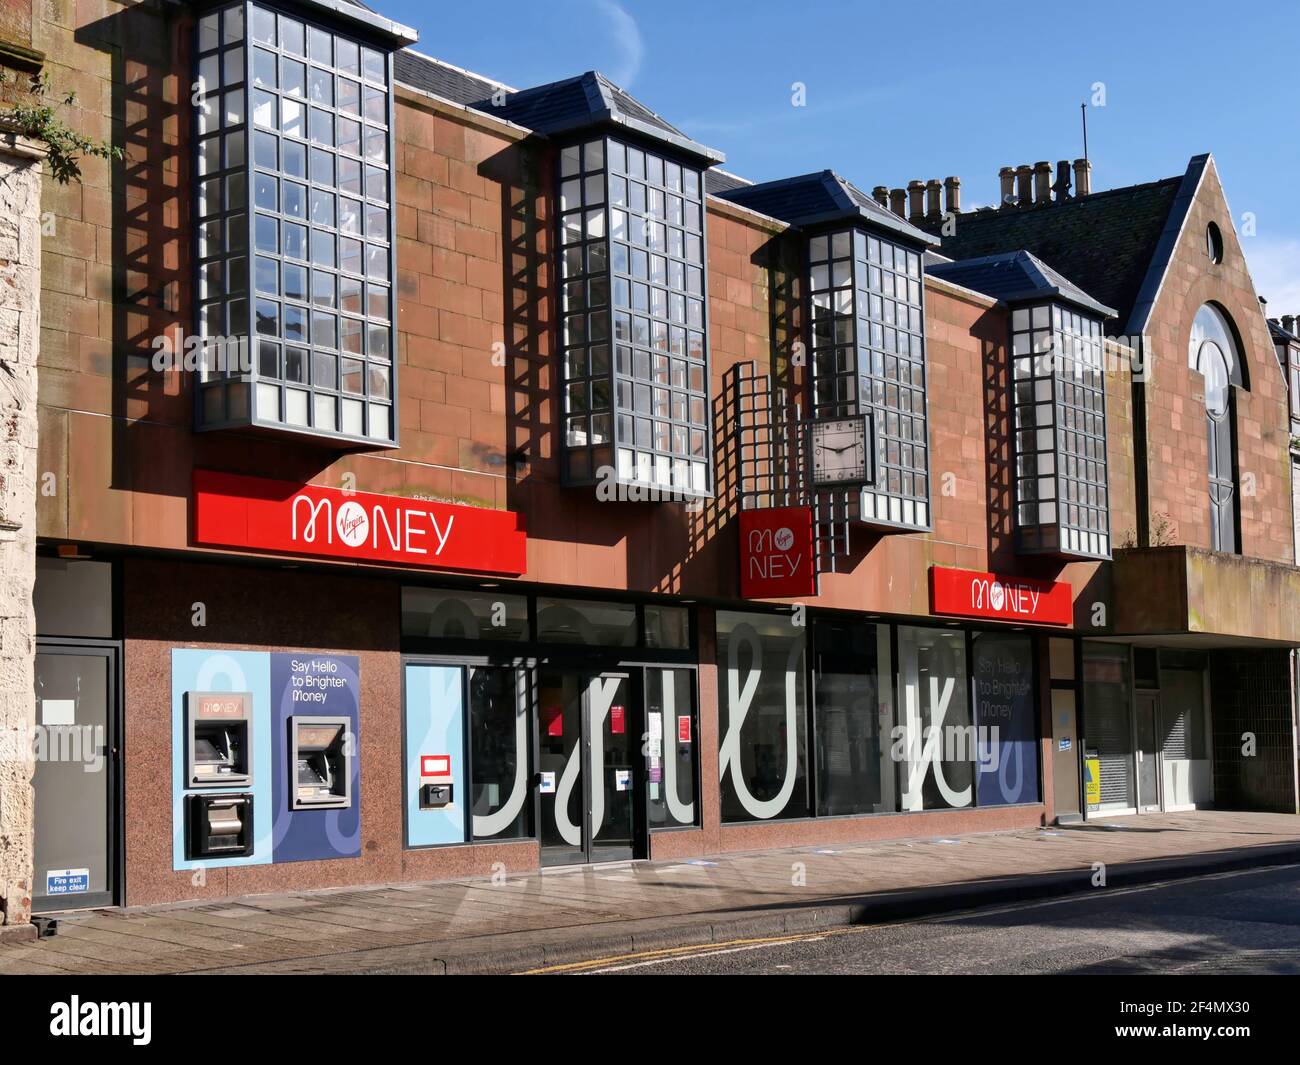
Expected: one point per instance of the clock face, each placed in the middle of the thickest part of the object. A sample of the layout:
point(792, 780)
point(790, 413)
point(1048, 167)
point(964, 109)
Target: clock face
point(839, 451)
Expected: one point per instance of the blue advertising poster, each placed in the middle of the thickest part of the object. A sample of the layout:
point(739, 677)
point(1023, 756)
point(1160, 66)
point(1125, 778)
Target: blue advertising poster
point(313, 685)
point(1006, 727)
point(208, 670)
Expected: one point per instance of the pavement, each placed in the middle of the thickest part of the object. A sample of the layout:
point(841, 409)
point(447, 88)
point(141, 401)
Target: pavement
point(544, 919)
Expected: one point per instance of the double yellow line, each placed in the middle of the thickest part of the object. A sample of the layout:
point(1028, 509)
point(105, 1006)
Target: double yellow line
point(672, 952)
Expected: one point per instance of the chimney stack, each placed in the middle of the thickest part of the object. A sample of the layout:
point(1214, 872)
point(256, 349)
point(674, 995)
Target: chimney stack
point(1024, 185)
point(1082, 177)
point(952, 192)
point(881, 195)
point(1042, 182)
point(1007, 180)
point(1062, 186)
point(933, 206)
point(898, 202)
point(916, 200)
point(1288, 323)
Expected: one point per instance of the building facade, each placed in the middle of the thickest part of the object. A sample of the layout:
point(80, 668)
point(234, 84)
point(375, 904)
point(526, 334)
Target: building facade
point(441, 479)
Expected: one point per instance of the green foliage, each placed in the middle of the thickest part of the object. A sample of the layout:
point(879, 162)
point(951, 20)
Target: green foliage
point(38, 118)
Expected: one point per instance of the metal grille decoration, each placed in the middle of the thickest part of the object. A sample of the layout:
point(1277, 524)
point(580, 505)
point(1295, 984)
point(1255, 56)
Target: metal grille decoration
point(772, 458)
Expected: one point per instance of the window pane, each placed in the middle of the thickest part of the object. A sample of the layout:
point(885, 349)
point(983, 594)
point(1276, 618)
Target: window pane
point(463, 616)
point(499, 744)
point(1006, 719)
point(853, 699)
point(577, 621)
point(762, 717)
point(938, 748)
point(671, 745)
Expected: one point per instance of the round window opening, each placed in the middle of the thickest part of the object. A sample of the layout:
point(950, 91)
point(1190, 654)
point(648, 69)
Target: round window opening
point(1214, 243)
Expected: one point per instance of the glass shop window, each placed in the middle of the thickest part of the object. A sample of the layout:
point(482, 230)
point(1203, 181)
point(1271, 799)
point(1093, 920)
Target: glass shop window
point(935, 741)
point(467, 741)
point(668, 627)
point(582, 622)
point(762, 711)
point(498, 752)
point(672, 739)
point(430, 612)
point(1005, 719)
point(854, 707)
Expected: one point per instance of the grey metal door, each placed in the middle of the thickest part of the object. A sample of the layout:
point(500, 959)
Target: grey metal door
point(75, 750)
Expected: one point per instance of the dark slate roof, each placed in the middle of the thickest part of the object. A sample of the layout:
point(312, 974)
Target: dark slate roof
point(821, 197)
point(1013, 277)
point(590, 100)
point(1280, 335)
point(716, 182)
point(1104, 242)
point(443, 79)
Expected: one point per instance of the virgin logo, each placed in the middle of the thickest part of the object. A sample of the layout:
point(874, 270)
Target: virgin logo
point(784, 539)
point(411, 529)
point(997, 596)
point(352, 524)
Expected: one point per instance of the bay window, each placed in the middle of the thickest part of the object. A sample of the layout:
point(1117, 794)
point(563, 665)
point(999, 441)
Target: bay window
point(868, 357)
point(634, 330)
point(294, 195)
point(1059, 410)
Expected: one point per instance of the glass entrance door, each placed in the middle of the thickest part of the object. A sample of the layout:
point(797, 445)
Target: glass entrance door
point(75, 754)
point(1148, 752)
point(591, 768)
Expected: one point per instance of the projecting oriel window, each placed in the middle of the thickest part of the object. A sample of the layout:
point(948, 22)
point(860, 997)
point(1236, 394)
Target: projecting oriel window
point(868, 357)
point(1062, 490)
point(294, 190)
point(635, 353)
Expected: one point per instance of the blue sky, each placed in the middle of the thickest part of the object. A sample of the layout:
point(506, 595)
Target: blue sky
point(903, 90)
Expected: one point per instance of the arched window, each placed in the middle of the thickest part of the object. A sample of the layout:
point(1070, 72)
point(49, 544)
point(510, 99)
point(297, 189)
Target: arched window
point(1213, 352)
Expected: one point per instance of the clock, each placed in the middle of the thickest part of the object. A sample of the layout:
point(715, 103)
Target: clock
point(841, 452)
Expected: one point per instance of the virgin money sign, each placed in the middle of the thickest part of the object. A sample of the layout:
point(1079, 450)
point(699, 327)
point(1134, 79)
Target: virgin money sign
point(969, 594)
point(776, 553)
point(256, 514)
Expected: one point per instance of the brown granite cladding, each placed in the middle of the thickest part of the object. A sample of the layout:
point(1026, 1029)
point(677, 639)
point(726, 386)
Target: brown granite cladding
point(1177, 463)
point(266, 610)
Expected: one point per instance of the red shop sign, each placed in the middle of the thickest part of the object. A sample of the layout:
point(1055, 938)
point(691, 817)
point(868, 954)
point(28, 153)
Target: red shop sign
point(969, 594)
point(776, 553)
point(257, 514)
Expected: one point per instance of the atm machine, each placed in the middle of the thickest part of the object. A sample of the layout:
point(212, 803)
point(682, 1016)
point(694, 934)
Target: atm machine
point(320, 763)
point(218, 740)
point(218, 756)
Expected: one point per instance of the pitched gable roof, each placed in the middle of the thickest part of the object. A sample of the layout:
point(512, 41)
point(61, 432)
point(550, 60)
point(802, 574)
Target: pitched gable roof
point(591, 100)
point(820, 197)
point(1105, 243)
point(1016, 276)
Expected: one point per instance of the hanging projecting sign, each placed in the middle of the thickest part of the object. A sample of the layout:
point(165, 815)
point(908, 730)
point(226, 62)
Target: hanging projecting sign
point(969, 594)
point(257, 514)
point(776, 553)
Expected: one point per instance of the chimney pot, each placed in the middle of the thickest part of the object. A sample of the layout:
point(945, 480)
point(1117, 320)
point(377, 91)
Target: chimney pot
point(898, 202)
point(952, 192)
point(1007, 180)
point(1082, 177)
point(1024, 185)
point(916, 200)
point(1042, 181)
point(933, 190)
point(1062, 186)
point(881, 195)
